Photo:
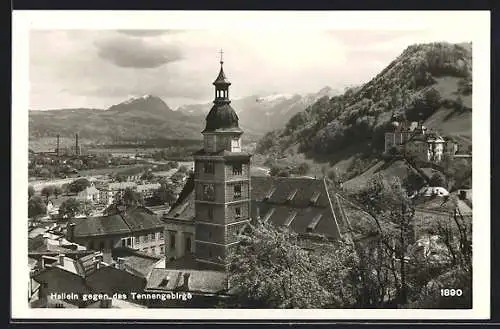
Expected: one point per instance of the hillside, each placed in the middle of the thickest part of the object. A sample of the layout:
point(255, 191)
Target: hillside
point(427, 82)
point(142, 117)
point(261, 114)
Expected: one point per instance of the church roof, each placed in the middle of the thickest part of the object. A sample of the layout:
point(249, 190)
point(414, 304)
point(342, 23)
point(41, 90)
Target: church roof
point(303, 204)
point(222, 117)
point(221, 78)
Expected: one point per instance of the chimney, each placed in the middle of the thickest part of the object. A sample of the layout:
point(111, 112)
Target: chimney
point(77, 151)
point(70, 234)
point(120, 263)
point(98, 258)
point(57, 148)
point(186, 282)
point(61, 259)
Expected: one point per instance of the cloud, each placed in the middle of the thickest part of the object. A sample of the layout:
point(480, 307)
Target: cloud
point(136, 53)
point(98, 68)
point(148, 33)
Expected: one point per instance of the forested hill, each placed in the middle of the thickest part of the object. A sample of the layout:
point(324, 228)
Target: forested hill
point(427, 82)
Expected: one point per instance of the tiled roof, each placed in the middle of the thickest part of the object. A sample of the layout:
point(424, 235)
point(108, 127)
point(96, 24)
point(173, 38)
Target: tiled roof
point(141, 263)
point(102, 225)
point(62, 280)
point(141, 218)
point(201, 281)
point(280, 197)
point(302, 204)
point(131, 220)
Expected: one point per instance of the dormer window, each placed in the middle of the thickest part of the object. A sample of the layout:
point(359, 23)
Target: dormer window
point(209, 167)
point(314, 198)
point(291, 195)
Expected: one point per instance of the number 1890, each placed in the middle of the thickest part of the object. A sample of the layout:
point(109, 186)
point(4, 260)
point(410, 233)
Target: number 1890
point(451, 292)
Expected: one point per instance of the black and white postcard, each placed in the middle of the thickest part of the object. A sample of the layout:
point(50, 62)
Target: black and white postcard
point(246, 165)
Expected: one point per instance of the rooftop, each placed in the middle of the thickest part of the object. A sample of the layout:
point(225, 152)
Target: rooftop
point(128, 221)
point(303, 204)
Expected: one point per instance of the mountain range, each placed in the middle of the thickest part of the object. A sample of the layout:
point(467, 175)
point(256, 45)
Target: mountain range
point(272, 110)
point(149, 117)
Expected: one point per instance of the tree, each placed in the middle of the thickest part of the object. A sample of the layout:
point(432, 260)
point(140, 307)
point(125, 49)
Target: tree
point(36, 207)
point(78, 185)
point(86, 207)
point(47, 191)
point(394, 213)
point(413, 181)
point(31, 191)
point(147, 175)
point(174, 164)
point(70, 208)
point(270, 269)
point(164, 195)
point(57, 191)
point(437, 180)
point(132, 198)
point(182, 169)
point(302, 169)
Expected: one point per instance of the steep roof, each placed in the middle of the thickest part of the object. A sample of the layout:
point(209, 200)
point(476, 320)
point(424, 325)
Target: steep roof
point(304, 204)
point(221, 78)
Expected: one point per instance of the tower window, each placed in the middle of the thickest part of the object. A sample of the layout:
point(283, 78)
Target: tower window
point(210, 213)
point(237, 212)
point(209, 167)
point(235, 145)
point(237, 191)
point(208, 192)
point(237, 169)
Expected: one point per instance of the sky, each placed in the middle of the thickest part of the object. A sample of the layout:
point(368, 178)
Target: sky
point(99, 68)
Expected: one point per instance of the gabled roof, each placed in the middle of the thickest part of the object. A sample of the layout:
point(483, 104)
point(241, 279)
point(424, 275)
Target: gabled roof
point(128, 221)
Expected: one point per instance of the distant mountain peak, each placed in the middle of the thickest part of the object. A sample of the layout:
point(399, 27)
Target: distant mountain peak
point(145, 103)
point(136, 98)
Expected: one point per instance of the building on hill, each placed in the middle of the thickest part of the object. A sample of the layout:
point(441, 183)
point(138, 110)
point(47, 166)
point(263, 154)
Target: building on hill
point(220, 198)
point(416, 140)
point(137, 228)
point(91, 194)
point(147, 190)
point(112, 191)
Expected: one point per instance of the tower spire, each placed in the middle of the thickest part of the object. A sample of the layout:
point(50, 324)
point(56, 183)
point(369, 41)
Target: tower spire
point(221, 56)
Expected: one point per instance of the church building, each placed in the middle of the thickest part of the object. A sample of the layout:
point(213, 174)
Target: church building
point(221, 197)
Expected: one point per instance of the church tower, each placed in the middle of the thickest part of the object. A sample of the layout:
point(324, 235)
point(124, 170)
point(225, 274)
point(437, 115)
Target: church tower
point(222, 181)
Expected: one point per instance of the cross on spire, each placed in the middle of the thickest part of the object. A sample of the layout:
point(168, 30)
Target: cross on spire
point(221, 58)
